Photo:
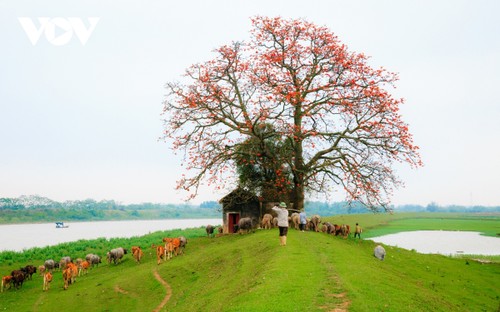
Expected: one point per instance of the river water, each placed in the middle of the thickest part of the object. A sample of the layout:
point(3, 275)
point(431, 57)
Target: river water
point(17, 237)
point(443, 242)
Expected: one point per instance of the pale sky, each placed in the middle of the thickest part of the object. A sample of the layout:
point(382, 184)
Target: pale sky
point(83, 121)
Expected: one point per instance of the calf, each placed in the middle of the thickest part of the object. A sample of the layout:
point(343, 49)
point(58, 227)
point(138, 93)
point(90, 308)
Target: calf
point(47, 278)
point(6, 282)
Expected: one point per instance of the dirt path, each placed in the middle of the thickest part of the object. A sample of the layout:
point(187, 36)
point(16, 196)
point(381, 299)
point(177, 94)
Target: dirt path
point(167, 288)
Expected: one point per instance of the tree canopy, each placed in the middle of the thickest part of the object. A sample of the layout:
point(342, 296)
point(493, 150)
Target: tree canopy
point(295, 84)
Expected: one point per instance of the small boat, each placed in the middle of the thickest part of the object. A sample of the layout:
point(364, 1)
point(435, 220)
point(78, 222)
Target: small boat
point(60, 225)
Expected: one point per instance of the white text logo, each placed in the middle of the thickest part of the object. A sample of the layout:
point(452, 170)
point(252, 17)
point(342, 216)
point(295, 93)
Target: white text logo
point(58, 30)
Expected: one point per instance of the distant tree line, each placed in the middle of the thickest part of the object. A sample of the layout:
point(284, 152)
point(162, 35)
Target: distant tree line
point(338, 208)
point(32, 209)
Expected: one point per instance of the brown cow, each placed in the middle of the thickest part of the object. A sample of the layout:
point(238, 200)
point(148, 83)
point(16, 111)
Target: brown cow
point(160, 252)
point(169, 249)
point(176, 243)
point(6, 282)
point(295, 220)
point(47, 278)
point(137, 253)
point(346, 230)
point(83, 267)
point(66, 273)
point(266, 222)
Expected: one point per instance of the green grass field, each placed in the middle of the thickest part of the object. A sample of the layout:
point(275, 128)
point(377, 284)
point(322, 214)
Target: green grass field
point(314, 272)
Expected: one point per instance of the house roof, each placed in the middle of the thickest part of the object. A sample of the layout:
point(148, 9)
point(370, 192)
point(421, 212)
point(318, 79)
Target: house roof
point(238, 196)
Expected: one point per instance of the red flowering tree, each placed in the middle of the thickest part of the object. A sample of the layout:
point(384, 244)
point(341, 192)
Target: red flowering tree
point(329, 110)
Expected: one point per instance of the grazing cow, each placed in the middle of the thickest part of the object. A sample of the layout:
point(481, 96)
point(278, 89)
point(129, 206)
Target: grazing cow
point(93, 259)
point(266, 222)
point(47, 278)
point(183, 242)
point(6, 280)
point(379, 252)
point(137, 253)
point(49, 264)
point(315, 221)
point(115, 255)
point(324, 228)
point(17, 278)
point(83, 267)
point(160, 252)
point(245, 225)
point(210, 230)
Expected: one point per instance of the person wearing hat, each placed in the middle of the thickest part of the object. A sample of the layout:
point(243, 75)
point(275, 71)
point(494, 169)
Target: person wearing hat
point(282, 215)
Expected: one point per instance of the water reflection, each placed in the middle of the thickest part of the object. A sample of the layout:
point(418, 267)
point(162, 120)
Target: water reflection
point(443, 242)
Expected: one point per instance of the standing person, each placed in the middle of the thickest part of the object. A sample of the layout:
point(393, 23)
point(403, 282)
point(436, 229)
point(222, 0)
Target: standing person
point(282, 214)
point(303, 220)
point(358, 231)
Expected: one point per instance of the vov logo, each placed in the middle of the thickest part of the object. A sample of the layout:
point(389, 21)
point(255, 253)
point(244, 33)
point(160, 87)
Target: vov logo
point(58, 30)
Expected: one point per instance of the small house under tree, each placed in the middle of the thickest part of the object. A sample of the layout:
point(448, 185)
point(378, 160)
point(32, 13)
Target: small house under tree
point(239, 204)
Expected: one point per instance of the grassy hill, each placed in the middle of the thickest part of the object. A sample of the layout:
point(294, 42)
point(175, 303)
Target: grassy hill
point(314, 272)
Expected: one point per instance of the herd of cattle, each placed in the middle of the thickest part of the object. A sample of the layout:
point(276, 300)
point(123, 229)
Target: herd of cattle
point(71, 269)
point(268, 221)
point(165, 251)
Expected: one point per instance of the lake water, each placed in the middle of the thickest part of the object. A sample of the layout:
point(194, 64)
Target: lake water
point(443, 242)
point(17, 237)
